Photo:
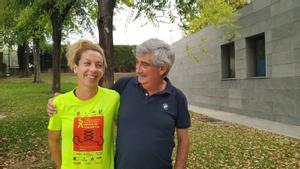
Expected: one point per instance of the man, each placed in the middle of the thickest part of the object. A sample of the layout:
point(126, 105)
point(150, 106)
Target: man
point(151, 108)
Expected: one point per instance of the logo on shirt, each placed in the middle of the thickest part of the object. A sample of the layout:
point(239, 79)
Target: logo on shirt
point(88, 133)
point(165, 106)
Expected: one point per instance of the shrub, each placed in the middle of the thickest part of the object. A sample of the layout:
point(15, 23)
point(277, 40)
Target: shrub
point(124, 58)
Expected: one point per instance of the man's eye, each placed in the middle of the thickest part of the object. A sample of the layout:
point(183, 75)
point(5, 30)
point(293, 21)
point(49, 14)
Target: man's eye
point(86, 63)
point(145, 64)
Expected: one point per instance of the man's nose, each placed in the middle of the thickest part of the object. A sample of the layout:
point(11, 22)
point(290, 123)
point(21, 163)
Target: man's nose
point(137, 68)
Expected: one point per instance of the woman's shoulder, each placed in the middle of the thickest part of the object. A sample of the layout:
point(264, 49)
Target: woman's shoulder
point(64, 96)
point(110, 93)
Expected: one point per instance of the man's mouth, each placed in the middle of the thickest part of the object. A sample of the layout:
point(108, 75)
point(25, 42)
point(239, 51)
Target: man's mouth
point(142, 75)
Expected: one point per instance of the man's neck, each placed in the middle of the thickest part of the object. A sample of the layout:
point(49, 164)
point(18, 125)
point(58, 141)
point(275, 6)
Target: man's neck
point(156, 87)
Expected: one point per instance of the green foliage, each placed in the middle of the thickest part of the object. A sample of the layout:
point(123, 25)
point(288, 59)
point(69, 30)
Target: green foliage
point(128, 2)
point(200, 13)
point(22, 20)
point(237, 4)
point(190, 55)
point(154, 10)
point(210, 12)
point(219, 13)
point(82, 17)
point(194, 14)
point(202, 49)
point(92, 9)
point(8, 12)
point(124, 58)
point(46, 51)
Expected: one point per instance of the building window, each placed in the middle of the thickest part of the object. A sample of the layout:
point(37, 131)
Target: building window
point(228, 60)
point(256, 57)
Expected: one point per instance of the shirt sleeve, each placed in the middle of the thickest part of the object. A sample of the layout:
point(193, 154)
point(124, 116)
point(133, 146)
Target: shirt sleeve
point(117, 108)
point(55, 120)
point(183, 116)
point(120, 85)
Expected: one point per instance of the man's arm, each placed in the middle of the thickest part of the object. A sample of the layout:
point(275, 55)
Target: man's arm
point(182, 148)
point(121, 84)
point(51, 109)
point(54, 147)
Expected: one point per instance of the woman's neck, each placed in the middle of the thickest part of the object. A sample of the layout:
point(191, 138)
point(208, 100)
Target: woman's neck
point(84, 93)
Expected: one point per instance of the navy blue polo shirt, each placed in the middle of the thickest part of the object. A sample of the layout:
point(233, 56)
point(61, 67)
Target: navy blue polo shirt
point(146, 125)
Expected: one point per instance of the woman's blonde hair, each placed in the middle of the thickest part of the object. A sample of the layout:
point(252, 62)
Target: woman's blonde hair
point(75, 50)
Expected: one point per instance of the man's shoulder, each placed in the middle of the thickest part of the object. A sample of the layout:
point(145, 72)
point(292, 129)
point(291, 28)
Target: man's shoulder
point(120, 85)
point(176, 91)
point(124, 80)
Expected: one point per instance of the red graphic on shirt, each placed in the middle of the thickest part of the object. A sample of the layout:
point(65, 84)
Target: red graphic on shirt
point(88, 133)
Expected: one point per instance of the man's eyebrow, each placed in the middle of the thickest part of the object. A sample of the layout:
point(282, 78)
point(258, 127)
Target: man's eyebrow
point(145, 62)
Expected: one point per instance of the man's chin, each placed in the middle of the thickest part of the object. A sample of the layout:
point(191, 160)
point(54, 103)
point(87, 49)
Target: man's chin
point(141, 80)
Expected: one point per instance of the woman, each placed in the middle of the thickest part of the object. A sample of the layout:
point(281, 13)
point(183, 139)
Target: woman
point(85, 116)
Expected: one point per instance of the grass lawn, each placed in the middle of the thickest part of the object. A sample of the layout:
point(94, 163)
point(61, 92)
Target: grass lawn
point(23, 134)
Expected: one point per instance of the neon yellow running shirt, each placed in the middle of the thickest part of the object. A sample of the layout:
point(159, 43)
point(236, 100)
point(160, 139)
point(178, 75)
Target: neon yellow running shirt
point(86, 129)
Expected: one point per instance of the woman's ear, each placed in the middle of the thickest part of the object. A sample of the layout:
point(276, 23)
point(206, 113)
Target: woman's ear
point(75, 69)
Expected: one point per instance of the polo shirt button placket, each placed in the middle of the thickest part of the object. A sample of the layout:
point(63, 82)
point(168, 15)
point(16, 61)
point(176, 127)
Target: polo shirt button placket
point(146, 98)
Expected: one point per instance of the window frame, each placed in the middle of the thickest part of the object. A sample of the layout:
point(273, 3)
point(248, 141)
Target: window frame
point(254, 53)
point(228, 61)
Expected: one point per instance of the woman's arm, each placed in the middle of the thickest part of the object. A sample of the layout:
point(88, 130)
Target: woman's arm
point(54, 147)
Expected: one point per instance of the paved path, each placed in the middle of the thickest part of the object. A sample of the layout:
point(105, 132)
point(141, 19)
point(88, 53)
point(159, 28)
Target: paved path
point(272, 126)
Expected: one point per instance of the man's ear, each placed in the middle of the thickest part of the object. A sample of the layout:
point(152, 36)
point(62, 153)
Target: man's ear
point(164, 69)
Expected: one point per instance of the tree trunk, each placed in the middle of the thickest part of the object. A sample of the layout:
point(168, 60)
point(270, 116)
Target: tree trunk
point(105, 28)
point(26, 61)
point(57, 25)
point(21, 53)
point(23, 60)
point(36, 61)
point(57, 20)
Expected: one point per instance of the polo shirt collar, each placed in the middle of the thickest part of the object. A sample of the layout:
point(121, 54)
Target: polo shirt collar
point(168, 88)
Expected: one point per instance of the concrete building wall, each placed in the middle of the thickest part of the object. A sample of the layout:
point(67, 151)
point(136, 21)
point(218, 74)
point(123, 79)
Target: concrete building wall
point(276, 96)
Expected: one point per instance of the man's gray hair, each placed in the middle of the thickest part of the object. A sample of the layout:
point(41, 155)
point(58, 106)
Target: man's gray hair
point(160, 50)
